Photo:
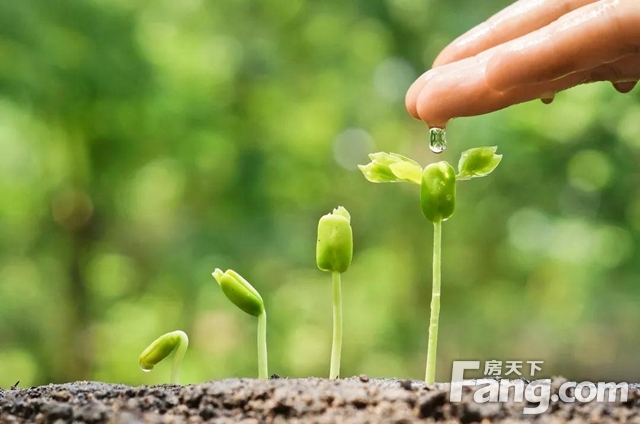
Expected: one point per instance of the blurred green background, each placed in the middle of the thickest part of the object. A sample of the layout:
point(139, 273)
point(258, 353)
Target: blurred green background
point(144, 143)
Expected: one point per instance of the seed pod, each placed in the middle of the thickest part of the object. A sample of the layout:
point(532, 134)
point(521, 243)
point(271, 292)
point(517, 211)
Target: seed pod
point(438, 191)
point(239, 291)
point(161, 348)
point(334, 249)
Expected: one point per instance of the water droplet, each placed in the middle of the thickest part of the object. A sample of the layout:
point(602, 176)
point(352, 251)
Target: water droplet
point(146, 369)
point(624, 87)
point(548, 97)
point(437, 140)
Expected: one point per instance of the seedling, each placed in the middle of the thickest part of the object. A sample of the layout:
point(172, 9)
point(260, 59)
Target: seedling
point(244, 296)
point(438, 200)
point(334, 252)
point(161, 348)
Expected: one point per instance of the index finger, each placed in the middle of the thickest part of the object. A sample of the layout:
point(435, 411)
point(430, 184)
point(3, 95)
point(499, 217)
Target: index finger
point(522, 17)
point(583, 39)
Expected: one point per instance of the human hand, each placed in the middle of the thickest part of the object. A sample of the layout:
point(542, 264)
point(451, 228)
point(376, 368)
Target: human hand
point(530, 50)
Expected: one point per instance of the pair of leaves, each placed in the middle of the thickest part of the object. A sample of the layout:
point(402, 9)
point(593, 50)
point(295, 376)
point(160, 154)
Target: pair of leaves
point(394, 168)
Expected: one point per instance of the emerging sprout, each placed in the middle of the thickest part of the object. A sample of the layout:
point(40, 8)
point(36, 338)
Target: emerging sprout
point(239, 291)
point(161, 348)
point(438, 202)
point(244, 296)
point(334, 252)
point(335, 241)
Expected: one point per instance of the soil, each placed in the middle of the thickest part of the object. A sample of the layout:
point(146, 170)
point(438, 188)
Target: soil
point(311, 400)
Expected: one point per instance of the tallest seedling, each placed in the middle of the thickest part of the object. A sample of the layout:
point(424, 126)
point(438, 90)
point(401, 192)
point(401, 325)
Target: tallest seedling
point(438, 201)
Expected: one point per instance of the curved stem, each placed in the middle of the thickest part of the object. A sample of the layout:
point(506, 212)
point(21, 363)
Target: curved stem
point(435, 305)
point(336, 346)
point(181, 349)
point(263, 367)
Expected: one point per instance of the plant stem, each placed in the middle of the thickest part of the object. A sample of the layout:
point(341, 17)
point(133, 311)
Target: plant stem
point(336, 345)
point(178, 355)
point(263, 367)
point(435, 305)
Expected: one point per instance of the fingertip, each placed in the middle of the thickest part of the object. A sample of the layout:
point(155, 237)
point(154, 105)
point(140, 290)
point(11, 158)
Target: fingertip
point(411, 99)
point(427, 109)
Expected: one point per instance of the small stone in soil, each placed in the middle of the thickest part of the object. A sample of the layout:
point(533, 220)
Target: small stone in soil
point(274, 376)
point(62, 395)
point(364, 378)
point(406, 384)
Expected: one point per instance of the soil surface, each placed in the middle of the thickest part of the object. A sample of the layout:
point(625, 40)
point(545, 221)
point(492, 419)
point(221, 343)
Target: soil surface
point(312, 400)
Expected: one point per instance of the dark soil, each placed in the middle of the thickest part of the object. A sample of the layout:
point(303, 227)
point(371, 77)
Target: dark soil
point(353, 400)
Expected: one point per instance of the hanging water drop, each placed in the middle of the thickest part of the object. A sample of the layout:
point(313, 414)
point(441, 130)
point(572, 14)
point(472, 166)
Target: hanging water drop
point(547, 97)
point(437, 140)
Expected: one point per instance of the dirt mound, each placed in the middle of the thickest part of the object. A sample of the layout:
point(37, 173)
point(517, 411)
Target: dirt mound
point(311, 400)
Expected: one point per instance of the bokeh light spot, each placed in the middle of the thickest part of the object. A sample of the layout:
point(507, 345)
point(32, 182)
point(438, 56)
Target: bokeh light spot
point(351, 147)
point(589, 170)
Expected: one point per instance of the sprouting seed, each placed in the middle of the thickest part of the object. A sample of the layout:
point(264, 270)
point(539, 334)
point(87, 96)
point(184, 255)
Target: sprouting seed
point(162, 347)
point(244, 296)
point(334, 252)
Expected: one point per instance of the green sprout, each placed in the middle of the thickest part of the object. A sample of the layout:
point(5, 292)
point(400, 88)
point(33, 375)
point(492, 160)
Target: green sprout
point(161, 348)
point(244, 296)
point(438, 201)
point(334, 251)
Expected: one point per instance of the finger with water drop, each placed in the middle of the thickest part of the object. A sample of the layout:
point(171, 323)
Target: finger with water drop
point(460, 89)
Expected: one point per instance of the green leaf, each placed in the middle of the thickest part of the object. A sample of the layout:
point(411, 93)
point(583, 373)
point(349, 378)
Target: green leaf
point(391, 168)
point(407, 172)
point(477, 162)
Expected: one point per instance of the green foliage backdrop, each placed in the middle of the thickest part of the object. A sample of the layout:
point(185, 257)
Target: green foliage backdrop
point(144, 143)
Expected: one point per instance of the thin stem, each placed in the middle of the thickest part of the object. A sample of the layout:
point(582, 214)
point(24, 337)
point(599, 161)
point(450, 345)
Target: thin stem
point(435, 305)
point(336, 346)
point(263, 367)
point(178, 355)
